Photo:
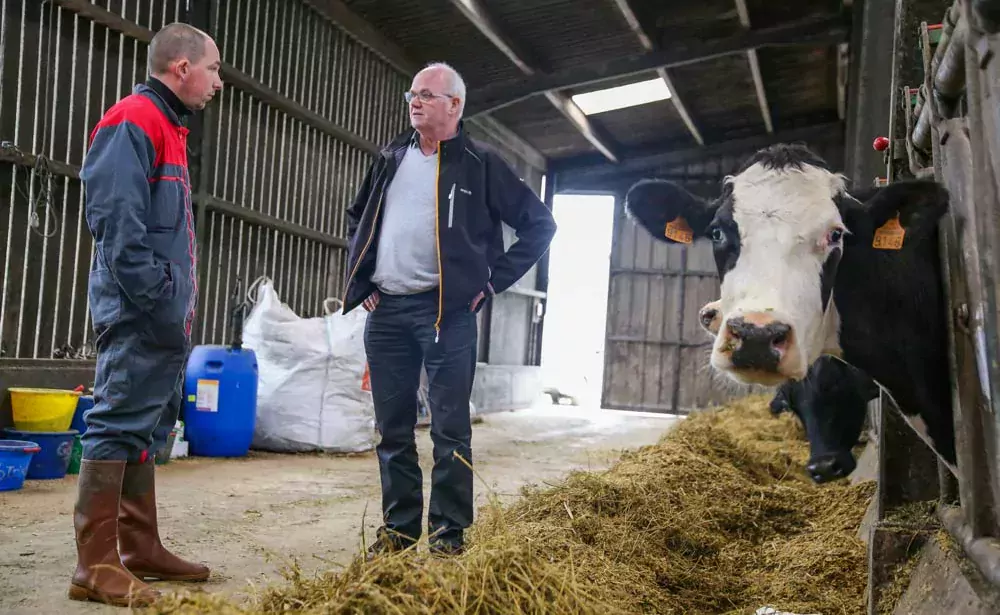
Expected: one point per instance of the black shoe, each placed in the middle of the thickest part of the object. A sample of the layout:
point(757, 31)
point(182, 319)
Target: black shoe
point(446, 549)
point(385, 542)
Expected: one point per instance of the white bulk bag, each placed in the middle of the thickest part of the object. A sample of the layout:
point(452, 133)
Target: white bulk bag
point(313, 392)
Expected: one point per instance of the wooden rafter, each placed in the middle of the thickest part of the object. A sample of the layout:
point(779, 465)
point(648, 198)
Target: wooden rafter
point(625, 7)
point(483, 21)
point(758, 81)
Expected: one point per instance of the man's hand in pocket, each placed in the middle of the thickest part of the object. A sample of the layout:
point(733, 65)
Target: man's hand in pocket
point(371, 302)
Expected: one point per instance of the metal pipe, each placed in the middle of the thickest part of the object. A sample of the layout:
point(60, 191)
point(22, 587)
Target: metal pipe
point(65, 201)
point(31, 194)
point(948, 74)
point(81, 201)
point(984, 551)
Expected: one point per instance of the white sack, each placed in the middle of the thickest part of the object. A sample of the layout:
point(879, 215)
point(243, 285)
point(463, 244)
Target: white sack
point(313, 393)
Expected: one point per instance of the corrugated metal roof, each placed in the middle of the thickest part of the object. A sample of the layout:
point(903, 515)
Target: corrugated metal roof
point(566, 33)
point(542, 125)
point(434, 30)
point(562, 34)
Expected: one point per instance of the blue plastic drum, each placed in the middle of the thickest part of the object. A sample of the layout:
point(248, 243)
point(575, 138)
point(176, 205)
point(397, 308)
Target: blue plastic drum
point(220, 401)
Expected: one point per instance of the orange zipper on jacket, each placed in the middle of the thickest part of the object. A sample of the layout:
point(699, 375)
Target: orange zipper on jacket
point(364, 250)
point(437, 242)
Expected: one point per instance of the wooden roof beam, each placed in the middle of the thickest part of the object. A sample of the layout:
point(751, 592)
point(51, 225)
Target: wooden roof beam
point(758, 81)
point(340, 15)
point(820, 30)
point(478, 16)
point(625, 7)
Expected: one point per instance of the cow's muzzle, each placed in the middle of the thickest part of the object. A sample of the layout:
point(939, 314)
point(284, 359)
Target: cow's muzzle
point(757, 344)
point(831, 467)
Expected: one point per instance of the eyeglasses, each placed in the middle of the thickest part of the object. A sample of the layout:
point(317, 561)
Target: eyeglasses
point(424, 96)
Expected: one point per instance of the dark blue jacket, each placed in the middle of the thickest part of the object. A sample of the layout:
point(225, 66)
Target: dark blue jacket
point(476, 192)
point(138, 208)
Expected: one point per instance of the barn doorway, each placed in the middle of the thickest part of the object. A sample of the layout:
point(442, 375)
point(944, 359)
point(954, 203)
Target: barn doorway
point(573, 337)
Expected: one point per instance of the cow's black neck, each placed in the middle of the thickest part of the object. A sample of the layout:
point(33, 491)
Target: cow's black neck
point(909, 357)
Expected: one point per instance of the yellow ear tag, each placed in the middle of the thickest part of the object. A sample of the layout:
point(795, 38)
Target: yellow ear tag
point(678, 230)
point(889, 236)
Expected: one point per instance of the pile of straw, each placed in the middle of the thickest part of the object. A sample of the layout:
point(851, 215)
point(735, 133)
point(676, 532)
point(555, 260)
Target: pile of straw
point(717, 518)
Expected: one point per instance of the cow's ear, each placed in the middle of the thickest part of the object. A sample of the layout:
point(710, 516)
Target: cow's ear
point(667, 211)
point(916, 205)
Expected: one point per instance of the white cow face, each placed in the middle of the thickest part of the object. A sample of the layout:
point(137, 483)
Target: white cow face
point(778, 232)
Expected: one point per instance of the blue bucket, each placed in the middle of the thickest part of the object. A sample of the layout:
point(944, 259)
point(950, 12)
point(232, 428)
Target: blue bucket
point(86, 402)
point(15, 457)
point(52, 460)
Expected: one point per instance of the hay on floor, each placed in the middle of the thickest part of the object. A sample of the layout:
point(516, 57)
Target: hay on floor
point(717, 518)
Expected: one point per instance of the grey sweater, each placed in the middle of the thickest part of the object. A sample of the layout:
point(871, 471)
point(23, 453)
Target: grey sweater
point(406, 262)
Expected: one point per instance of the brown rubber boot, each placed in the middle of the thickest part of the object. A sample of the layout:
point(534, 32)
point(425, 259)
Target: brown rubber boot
point(100, 575)
point(138, 533)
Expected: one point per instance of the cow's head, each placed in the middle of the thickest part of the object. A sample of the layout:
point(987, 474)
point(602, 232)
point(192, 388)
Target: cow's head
point(778, 231)
point(831, 402)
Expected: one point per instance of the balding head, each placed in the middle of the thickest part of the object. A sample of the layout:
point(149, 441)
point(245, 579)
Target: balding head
point(174, 42)
point(187, 61)
point(437, 100)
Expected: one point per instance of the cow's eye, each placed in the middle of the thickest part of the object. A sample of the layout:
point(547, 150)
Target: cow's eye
point(835, 236)
point(717, 235)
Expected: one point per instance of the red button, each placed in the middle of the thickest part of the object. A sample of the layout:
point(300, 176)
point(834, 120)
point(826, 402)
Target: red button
point(880, 144)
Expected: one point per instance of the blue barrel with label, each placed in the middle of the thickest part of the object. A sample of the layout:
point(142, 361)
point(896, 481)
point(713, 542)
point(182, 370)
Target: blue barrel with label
point(220, 400)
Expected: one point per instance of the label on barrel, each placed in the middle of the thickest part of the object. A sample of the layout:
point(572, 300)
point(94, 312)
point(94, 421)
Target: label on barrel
point(208, 396)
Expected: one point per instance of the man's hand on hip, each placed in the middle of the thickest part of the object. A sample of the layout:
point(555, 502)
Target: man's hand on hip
point(371, 302)
point(475, 302)
point(474, 305)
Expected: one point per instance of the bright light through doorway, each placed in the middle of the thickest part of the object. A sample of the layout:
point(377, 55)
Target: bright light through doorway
point(623, 96)
point(575, 322)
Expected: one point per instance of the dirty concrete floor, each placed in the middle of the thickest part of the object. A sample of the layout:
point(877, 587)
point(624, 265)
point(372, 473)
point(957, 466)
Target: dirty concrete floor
point(234, 514)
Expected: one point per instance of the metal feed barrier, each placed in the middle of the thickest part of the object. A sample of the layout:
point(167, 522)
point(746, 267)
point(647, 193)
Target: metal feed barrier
point(946, 126)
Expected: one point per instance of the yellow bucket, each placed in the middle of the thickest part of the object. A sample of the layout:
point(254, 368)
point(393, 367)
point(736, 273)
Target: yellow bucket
point(43, 409)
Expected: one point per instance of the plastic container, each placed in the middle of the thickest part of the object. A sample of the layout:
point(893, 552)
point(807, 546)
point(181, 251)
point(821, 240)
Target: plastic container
point(52, 460)
point(15, 457)
point(220, 401)
point(75, 457)
point(86, 402)
point(43, 410)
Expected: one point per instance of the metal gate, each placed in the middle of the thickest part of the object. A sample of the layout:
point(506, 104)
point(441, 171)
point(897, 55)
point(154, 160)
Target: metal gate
point(946, 126)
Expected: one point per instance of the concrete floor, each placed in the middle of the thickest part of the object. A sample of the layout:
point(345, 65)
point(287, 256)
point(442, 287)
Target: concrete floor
point(234, 514)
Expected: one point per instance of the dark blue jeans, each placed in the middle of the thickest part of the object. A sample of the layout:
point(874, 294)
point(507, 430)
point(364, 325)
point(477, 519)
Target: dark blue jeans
point(399, 338)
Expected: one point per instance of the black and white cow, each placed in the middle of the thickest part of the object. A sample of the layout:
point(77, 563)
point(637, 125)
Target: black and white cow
point(831, 402)
point(801, 278)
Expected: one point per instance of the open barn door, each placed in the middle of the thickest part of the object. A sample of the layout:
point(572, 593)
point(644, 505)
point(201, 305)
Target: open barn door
point(655, 353)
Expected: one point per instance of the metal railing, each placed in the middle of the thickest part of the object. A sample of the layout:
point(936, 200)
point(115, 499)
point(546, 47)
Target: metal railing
point(274, 160)
point(952, 133)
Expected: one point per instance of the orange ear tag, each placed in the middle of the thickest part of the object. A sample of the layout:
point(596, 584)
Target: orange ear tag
point(678, 230)
point(889, 236)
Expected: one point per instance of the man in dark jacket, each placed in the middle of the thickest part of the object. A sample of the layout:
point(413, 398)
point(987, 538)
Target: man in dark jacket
point(426, 253)
point(143, 292)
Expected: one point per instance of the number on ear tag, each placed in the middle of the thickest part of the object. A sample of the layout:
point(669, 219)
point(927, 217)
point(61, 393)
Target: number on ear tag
point(889, 236)
point(678, 230)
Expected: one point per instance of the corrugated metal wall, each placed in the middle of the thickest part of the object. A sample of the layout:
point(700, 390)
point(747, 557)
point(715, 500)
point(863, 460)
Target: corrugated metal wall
point(274, 160)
